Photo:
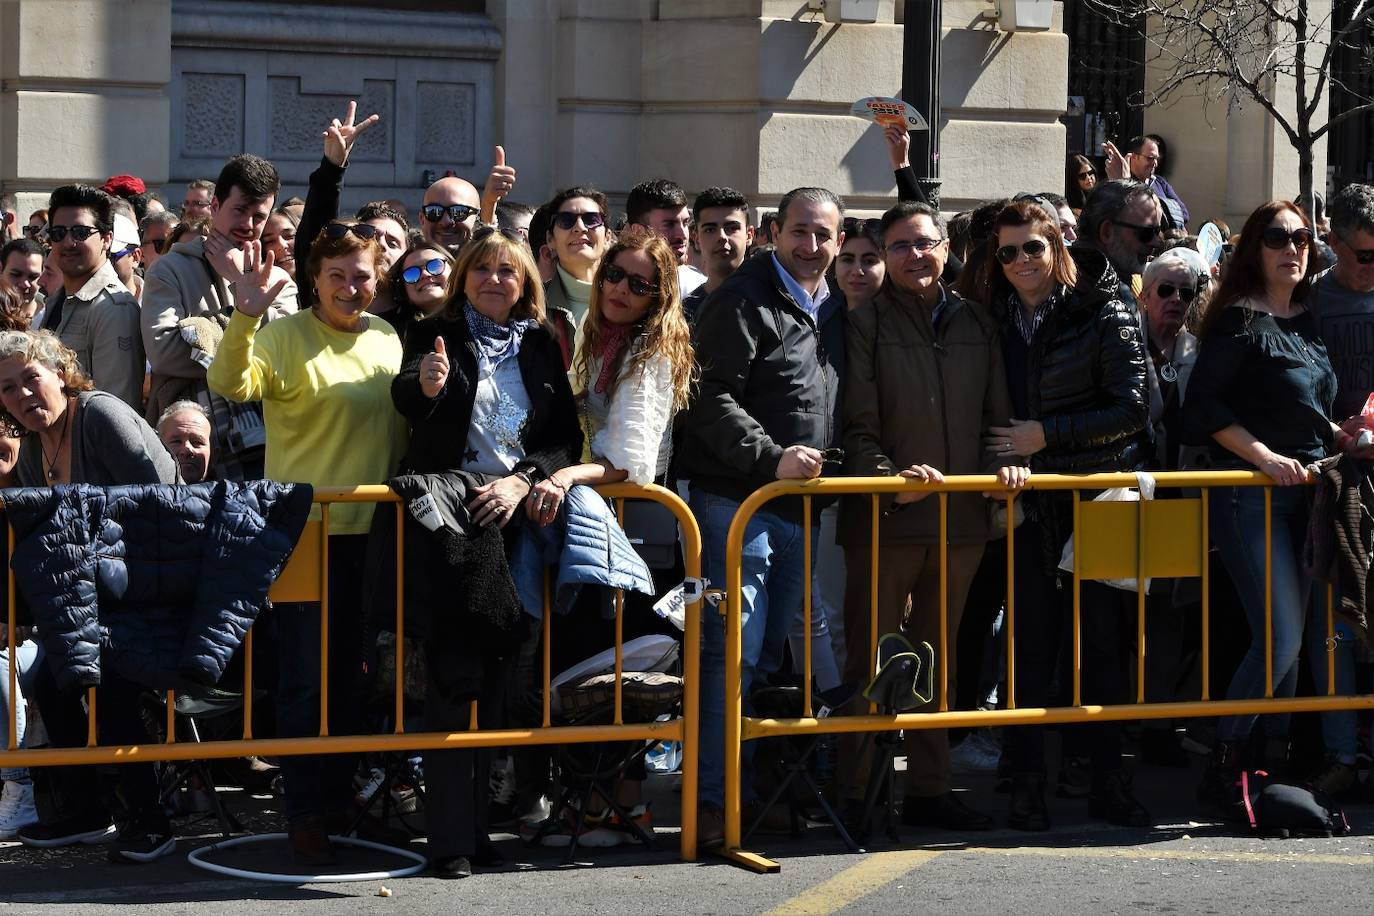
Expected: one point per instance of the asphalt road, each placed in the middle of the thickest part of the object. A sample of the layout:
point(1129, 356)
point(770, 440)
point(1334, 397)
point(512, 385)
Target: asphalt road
point(1182, 865)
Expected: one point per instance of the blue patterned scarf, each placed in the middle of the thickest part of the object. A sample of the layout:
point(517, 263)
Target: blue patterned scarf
point(496, 343)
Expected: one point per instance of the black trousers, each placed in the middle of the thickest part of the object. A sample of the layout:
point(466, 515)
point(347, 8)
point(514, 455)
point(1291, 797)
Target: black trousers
point(1044, 606)
point(78, 788)
point(457, 790)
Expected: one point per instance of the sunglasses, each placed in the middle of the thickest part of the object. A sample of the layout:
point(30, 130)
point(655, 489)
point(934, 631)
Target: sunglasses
point(638, 285)
point(337, 231)
point(512, 234)
point(1167, 291)
point(434, 267)
point(1279, 239)
point(457, 212)
point(1146, 234)
point(1088, 174)
point(592, 220)
point(116, 255)
point(853, 224)
point(1033, 248)
point(1362, 255)
point(79, 233)
point(33, 231)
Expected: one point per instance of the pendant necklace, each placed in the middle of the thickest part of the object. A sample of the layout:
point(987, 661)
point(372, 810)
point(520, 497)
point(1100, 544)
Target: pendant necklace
point(52, 465)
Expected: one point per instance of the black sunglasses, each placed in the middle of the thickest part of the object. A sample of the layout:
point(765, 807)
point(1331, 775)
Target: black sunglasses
point(1362, 255)
point(80, 233)
point(1146, 234)
point(33, 231)
point(511, 234)
point(1279, 239)
point(592, 220)
point(638, 285)
point(337, 231)
point(434, 267)
point(457, 212)
point(1167, 290)
point(1033, 248)
point(855, 224)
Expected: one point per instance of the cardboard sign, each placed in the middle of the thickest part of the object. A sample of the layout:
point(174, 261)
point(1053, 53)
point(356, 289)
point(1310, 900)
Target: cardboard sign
point(889, 112)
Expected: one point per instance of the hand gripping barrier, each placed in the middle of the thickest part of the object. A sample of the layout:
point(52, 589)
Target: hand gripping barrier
point(305, 579)
point(1114, 540)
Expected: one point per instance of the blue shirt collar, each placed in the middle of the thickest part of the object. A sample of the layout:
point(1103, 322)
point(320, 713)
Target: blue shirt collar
point(809, 304)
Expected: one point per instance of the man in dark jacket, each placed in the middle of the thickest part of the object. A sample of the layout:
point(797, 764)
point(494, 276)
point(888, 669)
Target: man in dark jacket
point(770, 341)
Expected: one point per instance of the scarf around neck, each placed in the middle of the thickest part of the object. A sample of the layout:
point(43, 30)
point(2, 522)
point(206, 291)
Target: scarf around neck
point(614, 338)
point(496, 343)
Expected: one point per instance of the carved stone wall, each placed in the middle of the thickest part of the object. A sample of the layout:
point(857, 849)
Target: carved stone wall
point(266, 78)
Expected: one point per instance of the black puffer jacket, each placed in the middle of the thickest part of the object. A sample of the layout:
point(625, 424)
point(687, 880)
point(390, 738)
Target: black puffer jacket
point(160, 582)
point(1086, 379)
point(770, 378)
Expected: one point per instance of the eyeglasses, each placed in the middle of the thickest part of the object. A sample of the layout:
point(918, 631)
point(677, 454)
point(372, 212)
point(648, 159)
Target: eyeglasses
point(1146, 234)
point(457, 212)
point(434, 267)
point(116, 255)
point(1033, 248)
point(638, 285)
point(592, 220)
point(1168, 290)
point(855, 224)
point(905, 247)
point(337, 231)
point(79, 233)
point(1146, 158)
point(1362, 255)
point(1087, 174)
point(33, 231)
point(1279, 239)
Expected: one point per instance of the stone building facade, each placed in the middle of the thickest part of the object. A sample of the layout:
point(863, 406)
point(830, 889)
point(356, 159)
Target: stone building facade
point(748, 93)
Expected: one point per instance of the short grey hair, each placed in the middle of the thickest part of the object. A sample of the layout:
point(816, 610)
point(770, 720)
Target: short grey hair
point(810, 195)
point(1352, 210)
point(177, 407)
point(1106, 202)
point(1185, 259)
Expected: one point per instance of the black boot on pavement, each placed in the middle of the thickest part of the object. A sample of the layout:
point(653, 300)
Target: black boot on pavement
point(1028, 810)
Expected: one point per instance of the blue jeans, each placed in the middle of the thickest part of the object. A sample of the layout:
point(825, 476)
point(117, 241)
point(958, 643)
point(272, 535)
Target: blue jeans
point(1237, 525)
point(1339, 727)
point(27, 654)
point(772, 588)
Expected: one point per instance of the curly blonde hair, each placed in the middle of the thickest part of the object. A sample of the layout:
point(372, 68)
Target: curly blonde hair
point(664, 331)
point(44, 348)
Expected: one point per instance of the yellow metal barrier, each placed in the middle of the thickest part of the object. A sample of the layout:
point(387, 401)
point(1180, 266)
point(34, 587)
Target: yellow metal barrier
point(1112, 540)
point(305, 579)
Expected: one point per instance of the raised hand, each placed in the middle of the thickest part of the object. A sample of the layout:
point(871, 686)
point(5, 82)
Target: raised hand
point(898, 146)
point(500, 181)
point(256, 292)
point(1117, 167)
point(434, 370)
point(340, 136)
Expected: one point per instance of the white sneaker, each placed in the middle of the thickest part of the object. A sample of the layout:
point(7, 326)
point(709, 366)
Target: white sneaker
point(16, 809)
point(978, 752)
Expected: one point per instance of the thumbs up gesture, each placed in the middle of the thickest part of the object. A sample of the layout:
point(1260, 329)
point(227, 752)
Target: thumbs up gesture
point(500, 181)
point(434, 369)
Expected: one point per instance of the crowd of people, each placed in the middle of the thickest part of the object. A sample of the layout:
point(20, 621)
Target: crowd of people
point(518, 353)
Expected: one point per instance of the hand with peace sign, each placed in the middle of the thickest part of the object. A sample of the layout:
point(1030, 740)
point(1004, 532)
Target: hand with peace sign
point(256, 292)
point(500, 181)
point(339, 137)
point(434, 370)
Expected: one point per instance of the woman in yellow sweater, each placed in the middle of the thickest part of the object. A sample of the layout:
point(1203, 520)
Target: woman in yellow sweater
point(324, 378)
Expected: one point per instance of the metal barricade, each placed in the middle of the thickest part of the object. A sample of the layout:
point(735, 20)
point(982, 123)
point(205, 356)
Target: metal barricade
point(1113, 540)
point(305, 579)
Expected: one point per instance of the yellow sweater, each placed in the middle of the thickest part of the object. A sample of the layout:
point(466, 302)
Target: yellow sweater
point(326, 402)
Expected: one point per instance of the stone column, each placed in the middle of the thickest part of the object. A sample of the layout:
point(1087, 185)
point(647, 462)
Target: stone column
point(82, 93)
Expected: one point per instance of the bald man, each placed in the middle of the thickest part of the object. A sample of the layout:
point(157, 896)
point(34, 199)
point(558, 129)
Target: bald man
point(449, 213)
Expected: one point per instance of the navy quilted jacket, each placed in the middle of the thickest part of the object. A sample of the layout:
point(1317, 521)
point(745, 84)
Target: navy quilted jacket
point(158, 581)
